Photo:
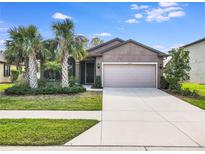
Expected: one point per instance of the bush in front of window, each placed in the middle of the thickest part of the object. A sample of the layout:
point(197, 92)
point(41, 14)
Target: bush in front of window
point(97, 83)
point(14, 75)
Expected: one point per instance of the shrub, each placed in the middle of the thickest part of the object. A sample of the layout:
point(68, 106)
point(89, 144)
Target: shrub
point(97, 83)
point(41, 83)
point(15, 90)
point(186, 92)
point(22, 83)
point(163, 83)
point(14, 75)
point(189, 93)
point(72, 81)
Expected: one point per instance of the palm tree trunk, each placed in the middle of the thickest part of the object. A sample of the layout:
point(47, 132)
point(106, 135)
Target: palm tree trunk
point(32, 68)
point(65, 70)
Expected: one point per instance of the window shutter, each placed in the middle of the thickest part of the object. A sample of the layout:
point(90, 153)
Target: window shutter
point(4, 70)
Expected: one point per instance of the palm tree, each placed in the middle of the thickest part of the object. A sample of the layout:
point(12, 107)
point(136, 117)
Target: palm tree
point(64, 32)
point(78, 52)
point(28, 40)
point(95, 41)
point(68, 45)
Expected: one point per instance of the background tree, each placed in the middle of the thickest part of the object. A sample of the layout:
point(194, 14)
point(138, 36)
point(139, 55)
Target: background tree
point(95, 41)
point(177, 69)
point(47, 53)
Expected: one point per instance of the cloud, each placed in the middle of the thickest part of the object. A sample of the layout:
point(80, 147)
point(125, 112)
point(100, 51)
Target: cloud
point(138, 7)
point(2, 29)
point(138, 16)
point(2, 42)
point(159, 47)
point(164, 14)
point(176, 14)
point(132, 21)
point(103, 34)
point(167, 48)
point(167, 4)
point(60, 16)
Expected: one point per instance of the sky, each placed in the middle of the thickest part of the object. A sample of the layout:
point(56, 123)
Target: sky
point(159, 25)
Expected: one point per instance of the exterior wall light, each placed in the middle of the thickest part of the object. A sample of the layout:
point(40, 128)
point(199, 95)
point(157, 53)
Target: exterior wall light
point(98, 66)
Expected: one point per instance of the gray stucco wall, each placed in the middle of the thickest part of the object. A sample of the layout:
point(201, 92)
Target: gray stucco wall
point(130, 53)
point(197, 62)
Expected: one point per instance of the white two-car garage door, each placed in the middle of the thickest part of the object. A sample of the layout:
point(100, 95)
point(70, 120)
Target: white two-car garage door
point(129, 75)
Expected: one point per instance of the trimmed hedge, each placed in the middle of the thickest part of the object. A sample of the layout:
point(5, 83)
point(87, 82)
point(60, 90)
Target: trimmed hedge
point(16, 90)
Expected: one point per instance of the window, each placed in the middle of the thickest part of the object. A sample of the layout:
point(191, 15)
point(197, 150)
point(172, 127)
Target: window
point(6, 70)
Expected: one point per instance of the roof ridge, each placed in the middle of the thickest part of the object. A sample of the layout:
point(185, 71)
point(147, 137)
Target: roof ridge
point(105, 43)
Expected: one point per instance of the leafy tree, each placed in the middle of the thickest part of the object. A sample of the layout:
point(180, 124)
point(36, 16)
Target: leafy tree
point(177, 69)
point(95, 41)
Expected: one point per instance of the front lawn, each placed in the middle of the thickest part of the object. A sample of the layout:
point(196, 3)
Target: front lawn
point(200, 101)
point(4, 86)
point(41, 131)
point(77, 102)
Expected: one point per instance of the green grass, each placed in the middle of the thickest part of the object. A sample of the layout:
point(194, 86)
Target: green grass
point(77, 102)
point(41, 131)
point(4, 86)
point(200, 101)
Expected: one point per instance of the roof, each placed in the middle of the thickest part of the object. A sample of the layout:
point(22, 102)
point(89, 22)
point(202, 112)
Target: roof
point(195, 42)
point(105, 43)
point(125, 42)
point(2, 58)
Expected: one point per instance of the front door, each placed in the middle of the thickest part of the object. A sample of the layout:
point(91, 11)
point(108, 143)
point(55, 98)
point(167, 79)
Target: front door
point(89, 72)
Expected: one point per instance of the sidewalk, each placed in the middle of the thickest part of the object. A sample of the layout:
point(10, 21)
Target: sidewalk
point(98, 148)
point(50, 114)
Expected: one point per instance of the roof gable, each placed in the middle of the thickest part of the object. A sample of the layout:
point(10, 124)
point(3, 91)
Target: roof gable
point(137, 43)
point(105, 44)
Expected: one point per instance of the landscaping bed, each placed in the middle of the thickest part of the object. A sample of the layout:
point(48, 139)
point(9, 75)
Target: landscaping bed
point(75, 102)
point(41, 131)
point(17, 90)
point(198, 101)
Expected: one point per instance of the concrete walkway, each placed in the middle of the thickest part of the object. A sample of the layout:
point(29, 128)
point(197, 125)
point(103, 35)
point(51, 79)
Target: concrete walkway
point(98, 148)
point(145, 117)
point(50, 114)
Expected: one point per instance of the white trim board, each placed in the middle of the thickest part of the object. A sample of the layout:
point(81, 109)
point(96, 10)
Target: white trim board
point(132, 63)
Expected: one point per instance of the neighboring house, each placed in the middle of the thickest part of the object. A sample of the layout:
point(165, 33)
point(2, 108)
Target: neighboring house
point(5, 70)
point(121, 64)
point(197, 60)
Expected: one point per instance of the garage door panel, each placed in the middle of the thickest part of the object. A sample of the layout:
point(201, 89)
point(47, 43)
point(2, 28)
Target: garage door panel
point(129, 75)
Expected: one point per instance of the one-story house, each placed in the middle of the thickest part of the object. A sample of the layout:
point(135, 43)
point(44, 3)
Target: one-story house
point(121, 63)
point(197, 60)
point(5, 69)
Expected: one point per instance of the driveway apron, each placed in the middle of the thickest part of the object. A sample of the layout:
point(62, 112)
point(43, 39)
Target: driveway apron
point(145, 117)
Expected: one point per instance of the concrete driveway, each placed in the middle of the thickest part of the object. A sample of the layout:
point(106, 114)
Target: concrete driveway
point(145, 117)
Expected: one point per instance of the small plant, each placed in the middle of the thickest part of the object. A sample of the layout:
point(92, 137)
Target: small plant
point(21, 83)
point(164, 84)
point(14, 75)
point(97, 83)
point(186, 92)
point(72, 81)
